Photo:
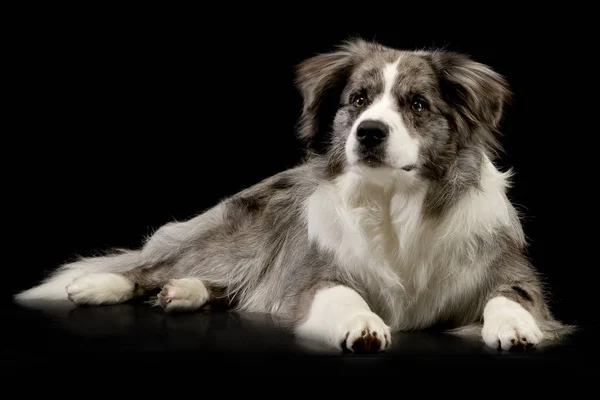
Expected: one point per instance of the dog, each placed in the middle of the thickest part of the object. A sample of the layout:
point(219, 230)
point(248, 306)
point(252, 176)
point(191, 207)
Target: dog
point(397, 219)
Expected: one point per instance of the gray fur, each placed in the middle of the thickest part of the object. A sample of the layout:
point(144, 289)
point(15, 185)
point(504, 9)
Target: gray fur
point(252, 249)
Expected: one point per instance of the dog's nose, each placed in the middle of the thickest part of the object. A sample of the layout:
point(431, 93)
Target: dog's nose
point(370, 133)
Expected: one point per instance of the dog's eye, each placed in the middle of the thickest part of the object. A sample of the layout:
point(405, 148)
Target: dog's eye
point(417, 106)
point(359, 101)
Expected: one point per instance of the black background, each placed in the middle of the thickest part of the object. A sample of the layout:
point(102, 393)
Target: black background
point(125, 123)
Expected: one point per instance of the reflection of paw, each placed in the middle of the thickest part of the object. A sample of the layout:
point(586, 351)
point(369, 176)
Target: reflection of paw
point(100, 288)
point(508, 324)
point(186, 294)
point(365, 333)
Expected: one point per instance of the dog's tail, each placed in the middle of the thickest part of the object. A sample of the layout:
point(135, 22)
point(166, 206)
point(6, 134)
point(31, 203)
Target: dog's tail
point(53, 287)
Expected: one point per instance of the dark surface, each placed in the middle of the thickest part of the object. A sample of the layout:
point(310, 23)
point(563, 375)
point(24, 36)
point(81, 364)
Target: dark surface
point(130, 336)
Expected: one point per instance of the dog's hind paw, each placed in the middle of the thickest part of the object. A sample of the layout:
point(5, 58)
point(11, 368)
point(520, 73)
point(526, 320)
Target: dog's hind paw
point(100, 288)
point(186, 294)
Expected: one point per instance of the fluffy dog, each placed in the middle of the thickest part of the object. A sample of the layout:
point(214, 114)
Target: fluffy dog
point(397, 219)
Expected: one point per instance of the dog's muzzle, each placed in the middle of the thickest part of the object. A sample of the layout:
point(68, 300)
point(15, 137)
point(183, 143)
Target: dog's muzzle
point(371, 136)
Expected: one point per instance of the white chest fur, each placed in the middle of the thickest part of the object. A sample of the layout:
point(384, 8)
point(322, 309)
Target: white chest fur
point(412, 271)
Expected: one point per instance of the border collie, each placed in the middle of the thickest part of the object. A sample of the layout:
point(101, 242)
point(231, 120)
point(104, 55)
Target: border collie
point(397, 219)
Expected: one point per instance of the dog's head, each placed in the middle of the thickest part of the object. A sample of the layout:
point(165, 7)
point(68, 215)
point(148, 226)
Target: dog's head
point(367, 106)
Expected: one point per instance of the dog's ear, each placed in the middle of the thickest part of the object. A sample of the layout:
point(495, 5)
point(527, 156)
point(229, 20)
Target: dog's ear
point(479, 92)
point(321, 80)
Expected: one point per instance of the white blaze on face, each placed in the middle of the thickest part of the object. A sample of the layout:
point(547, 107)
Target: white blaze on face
point(401, 149)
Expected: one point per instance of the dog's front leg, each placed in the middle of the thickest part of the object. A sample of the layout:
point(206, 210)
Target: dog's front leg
point(338, 316)
point(508, 316)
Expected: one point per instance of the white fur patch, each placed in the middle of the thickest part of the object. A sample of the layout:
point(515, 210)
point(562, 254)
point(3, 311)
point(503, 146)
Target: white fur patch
point(507, 324)
point(186, 294)
point(414, 272)
point(101, 288)
point(339, 317)
point(54, 289)
point(402, 149)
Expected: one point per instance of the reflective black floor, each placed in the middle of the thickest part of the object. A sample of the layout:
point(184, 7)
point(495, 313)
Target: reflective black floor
point(210, 342)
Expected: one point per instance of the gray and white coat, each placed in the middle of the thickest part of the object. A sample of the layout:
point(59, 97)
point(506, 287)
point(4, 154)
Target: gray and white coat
point(397, 219)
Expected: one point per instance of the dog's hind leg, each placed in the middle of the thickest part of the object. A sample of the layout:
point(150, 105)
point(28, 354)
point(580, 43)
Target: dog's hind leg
point(116, 287)
point(177, 294)
point(101, 288)
point(185, 294)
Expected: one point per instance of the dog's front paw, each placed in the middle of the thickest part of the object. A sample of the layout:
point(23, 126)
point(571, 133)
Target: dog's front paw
point(365, 333)
point(507, 324)
point(186, 294)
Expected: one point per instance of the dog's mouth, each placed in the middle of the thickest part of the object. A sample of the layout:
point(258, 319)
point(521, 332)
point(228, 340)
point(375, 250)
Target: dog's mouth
point(372, 161)
point(376, 162)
